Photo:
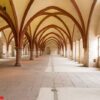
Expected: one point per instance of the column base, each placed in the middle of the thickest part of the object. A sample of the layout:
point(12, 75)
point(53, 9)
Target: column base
point(36, 56)
point(31, 58)
point(17, 64)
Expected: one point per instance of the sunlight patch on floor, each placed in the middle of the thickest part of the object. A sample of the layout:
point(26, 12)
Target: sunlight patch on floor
point(45, 94)
point(6, 59)
point(66, 65)
point(78, 94)
point(70, 94)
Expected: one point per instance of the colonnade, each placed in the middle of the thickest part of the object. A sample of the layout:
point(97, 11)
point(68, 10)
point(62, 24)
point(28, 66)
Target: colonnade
point(89, 57)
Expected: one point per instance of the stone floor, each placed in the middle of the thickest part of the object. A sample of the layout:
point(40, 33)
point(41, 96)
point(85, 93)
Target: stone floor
point(48, 78)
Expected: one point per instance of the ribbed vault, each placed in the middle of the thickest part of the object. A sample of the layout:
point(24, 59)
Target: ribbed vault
point(39, 23)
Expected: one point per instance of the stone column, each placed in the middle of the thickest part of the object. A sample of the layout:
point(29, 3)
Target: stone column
point(69, 51)
point(40, 52)
point(1, 49)
point(31, 54)
point(26, 51)
point(86, 58)
point(79, 52)
point(66, 48)
point(37, 53)
point(93, 51)
point(58, 51)
point(90, 53)
point(18, 57)
point(7, 53)
point(62, 52)
point(71, 54)
point(65, 51)
point(13, 51)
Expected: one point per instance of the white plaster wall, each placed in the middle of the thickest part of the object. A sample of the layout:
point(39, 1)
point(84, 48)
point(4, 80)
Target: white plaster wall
point(92, 47)
point(69, 52)
point(92, 52)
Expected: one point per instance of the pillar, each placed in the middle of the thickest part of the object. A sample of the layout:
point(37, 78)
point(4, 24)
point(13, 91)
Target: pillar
point(13, 51)
point(79, 52)
point(58, 51)
point(69, 52)
point(86, 57)
point(18, 57)
point(73, 50)
point(40, 52)
point(90, 53)
point(62, 52)
point(65, 51)
point(1, 49)
point(26, 51)
point(31, 54)
point(37, 52)
point(93, 51)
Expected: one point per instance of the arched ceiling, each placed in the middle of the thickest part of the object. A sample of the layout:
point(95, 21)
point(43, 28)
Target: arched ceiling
point(68, 17)
point(7, 4)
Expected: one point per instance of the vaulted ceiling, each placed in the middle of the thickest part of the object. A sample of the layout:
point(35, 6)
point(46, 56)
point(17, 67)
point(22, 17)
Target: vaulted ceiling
point(51, 21)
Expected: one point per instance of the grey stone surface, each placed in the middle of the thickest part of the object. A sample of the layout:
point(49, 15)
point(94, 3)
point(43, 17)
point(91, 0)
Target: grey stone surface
point(25, 82)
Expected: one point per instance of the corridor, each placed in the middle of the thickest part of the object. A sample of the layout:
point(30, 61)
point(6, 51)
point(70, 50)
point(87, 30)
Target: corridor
point(49, 78)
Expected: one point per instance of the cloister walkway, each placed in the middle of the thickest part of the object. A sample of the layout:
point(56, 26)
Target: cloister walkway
point(49, 78)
